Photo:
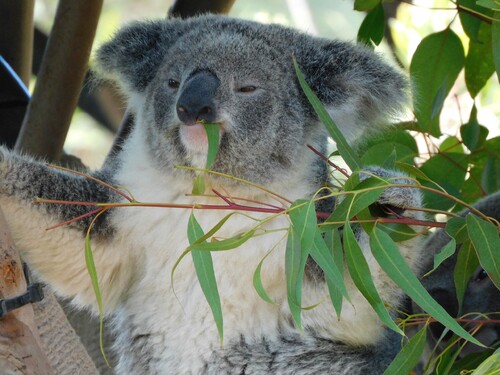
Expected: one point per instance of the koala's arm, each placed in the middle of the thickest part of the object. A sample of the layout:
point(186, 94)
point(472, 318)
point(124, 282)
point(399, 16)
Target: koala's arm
point(57, 255)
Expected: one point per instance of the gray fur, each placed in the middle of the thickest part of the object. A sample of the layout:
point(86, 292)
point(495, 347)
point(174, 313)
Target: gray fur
point(265, 133)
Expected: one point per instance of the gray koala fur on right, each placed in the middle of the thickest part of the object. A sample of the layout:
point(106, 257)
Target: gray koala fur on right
point(238, 74)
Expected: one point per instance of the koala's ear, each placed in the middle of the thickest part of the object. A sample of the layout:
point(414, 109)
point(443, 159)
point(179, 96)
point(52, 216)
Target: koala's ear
point(135, 53)
point(359, 90)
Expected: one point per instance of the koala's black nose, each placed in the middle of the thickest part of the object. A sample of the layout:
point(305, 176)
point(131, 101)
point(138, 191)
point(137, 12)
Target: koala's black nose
point(196, 102)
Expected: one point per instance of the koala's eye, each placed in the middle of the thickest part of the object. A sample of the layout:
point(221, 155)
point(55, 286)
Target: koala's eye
point(247, 89)
point(173, 84)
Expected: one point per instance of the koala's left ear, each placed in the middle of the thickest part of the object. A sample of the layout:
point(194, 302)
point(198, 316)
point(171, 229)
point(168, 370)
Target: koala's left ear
point(135, 53)
point(358, 88)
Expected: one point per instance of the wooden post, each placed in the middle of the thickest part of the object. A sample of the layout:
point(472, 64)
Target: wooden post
point(20, 346)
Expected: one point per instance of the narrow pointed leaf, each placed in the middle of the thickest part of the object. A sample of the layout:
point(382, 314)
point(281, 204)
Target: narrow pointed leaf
point(371, 31)
point(486, 241)
point(295, 262)
point(363, 279)
point(206, 276)
point(447, 251)
point(223, 245)
point(387, 255)
point(334, 244)
point(89, 261)
point(490, 366)
point(324, 259)
point(408, 357)
point(467, 263)
point(304, 221)
point(257, 283)
point(457, 228)
point(213, 131)
point(347, 153)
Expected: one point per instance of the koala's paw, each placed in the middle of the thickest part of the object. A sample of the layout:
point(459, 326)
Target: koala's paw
point(399, 198)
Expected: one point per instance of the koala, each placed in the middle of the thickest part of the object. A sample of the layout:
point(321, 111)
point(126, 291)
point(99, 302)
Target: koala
point(177, 74)
point(481, 294)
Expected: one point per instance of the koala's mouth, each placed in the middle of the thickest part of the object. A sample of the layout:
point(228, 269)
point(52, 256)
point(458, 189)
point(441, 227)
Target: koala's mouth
point(194, 137)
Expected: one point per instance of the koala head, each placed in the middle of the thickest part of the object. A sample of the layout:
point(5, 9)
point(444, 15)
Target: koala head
point(239, 74)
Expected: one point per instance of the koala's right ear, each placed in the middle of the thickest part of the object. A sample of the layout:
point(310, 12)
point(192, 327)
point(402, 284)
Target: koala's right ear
point(135, 53)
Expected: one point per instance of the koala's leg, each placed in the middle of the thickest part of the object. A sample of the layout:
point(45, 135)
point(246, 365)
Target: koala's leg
point(57, 255)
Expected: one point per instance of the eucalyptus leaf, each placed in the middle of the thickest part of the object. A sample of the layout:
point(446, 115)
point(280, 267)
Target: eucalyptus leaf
point(334, 243)
point(206, 275)
point(363, 5)
point(465, 266)
point(436, 63)
point(486, 241)
point(347, 153)
point(371, 31)
point(479, 65)
point(387, 255)
point(408, 357)
point(295, 262)
point(446, 251)
point(363, 279)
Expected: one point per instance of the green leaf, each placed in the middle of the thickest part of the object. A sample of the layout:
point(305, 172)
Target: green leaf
point(295, 262)
point(473, 134)
point(495, 41)
point(199, 185)
point(362, 277)
point(387, 255)
point(491, 4)
point(438, 60)
point(470, 362)
point(471, 22)
point(379, 153)
point(466, 265)
point(206, 276)
point(364, 5)
point(89, 261)
point(398, 232)
point(303, 217)
point(490, 178)
point(412, 171)
point(479, 65)
point(347, 153)
point(213, 132)
point(457, 228)
point(223, 245)
point(451, 144)
point(408, 357)
point(484, 237)
point(446, 251)
point(373, 27)
point(257, 283)
point(490, 365)
point(323, 257)
point(358, 200)
point(455, 165)
point(334, 243)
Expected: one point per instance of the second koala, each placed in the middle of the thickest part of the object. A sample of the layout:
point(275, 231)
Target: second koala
point(239, 75)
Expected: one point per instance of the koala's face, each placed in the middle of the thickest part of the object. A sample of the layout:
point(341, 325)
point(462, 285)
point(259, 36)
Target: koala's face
point(220, 79)
point(240, 75)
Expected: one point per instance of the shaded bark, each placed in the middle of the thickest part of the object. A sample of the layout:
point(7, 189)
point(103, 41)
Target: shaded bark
point(61, 76)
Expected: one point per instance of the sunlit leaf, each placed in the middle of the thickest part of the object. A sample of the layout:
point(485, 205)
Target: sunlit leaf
point(223, 245)
point(479, 65)
point(303, 217)
point(206, 276)
point(484, 237)
point(387, 255)
point(408, 357)
point(363, 279)
point(491, 366)
point(257, 284)
point(347, 153)
point(436, 63)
